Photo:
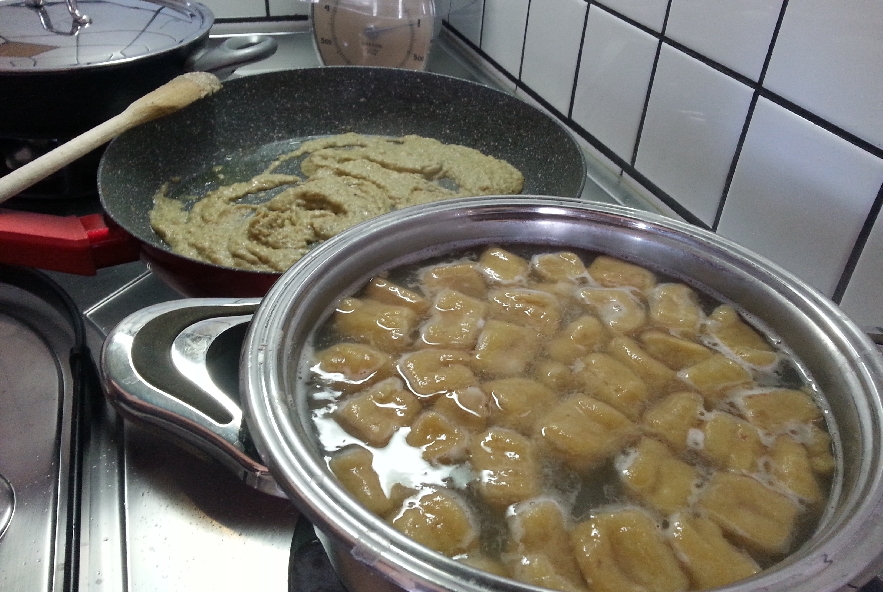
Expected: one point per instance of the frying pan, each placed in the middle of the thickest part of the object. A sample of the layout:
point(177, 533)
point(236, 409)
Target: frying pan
point(251, 120)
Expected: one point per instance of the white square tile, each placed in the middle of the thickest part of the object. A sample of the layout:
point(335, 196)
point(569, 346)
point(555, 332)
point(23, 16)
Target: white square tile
point(650, 13)
point(527, 98)
point(800, 195)
point(863, 299)
point(465, 17)
point(829, 60)
point(231, 9)
point(734, 34)
point(694, 119)
point(502, 37)
point(614, 74)
point(649, 199)
point(597, 160)
point(551, 48)
point(289, 7)
point(453, 56)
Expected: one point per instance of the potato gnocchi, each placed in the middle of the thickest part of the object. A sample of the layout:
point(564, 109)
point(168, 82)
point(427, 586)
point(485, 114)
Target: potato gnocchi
point(571, 421)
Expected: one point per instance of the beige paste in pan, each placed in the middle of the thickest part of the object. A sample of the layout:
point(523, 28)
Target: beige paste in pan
point(349, 178)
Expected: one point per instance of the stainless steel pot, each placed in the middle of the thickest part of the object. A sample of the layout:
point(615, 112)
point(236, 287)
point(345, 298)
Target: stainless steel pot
point(65, 69)
point(846, 549)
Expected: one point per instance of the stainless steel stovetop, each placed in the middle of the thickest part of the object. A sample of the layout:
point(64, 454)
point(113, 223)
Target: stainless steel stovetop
point(157, 516)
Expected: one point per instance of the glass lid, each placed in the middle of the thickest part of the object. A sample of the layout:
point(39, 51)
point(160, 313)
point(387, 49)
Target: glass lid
point(60, 35)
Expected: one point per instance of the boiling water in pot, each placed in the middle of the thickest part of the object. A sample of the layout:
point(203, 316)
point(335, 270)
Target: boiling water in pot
point(512, 397)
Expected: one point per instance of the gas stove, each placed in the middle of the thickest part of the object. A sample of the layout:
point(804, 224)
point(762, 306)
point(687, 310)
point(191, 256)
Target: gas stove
point(156, 514)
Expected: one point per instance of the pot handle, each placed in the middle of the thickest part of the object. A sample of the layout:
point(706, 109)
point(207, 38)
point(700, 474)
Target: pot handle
point(79, 20)
point(233, 53)
point(71, 244)
point(175, 365)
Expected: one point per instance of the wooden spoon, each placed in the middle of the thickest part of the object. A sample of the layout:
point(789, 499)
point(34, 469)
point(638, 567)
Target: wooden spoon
point(170, 97)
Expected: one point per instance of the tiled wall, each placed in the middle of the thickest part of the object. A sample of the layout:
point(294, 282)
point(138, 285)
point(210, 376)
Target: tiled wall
point(759, 119)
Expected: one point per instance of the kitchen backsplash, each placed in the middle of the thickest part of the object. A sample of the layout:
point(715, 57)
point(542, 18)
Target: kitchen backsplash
point(761, 120)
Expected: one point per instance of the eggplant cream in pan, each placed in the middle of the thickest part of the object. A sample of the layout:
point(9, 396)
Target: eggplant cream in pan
point(349, 178)
point(570, 420)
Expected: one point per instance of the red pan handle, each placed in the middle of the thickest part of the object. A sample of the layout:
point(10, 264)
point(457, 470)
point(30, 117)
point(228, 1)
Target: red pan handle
point(72, 244)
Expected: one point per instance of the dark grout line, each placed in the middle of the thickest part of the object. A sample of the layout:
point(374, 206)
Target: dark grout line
point(579, 59)
point(758, 86)
point(822, 123)
point(859, 247)
point(660, 36)
point(523, 42)
point(628, 167)
point(499, 68)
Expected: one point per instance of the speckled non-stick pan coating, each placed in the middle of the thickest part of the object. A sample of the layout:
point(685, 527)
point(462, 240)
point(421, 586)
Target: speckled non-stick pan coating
point(249, 113)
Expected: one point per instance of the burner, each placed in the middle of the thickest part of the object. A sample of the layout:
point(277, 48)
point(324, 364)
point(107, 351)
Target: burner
point(73, 181)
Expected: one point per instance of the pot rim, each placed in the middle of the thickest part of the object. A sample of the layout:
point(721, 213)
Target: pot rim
point(844, 552)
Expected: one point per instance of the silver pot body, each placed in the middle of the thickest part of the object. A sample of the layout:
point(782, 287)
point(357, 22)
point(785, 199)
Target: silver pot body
point(845, 550)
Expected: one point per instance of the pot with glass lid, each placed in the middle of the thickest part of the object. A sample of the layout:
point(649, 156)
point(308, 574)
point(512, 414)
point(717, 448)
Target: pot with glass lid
point(65, 68)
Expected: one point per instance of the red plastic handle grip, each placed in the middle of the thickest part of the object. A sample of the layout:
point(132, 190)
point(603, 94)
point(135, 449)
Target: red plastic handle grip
point(70, 244)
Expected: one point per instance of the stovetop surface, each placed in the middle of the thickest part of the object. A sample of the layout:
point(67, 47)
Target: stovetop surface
point(158, 516)
point(41, 394)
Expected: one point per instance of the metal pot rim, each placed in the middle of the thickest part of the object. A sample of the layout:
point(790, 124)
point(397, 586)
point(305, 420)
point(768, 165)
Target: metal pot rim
point(846, 549)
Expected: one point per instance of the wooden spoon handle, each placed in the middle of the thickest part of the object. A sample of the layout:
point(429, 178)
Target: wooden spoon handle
point(38, 169)
point(170, 97)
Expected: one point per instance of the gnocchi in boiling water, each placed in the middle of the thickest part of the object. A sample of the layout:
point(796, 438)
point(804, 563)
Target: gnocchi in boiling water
point(569, 420)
